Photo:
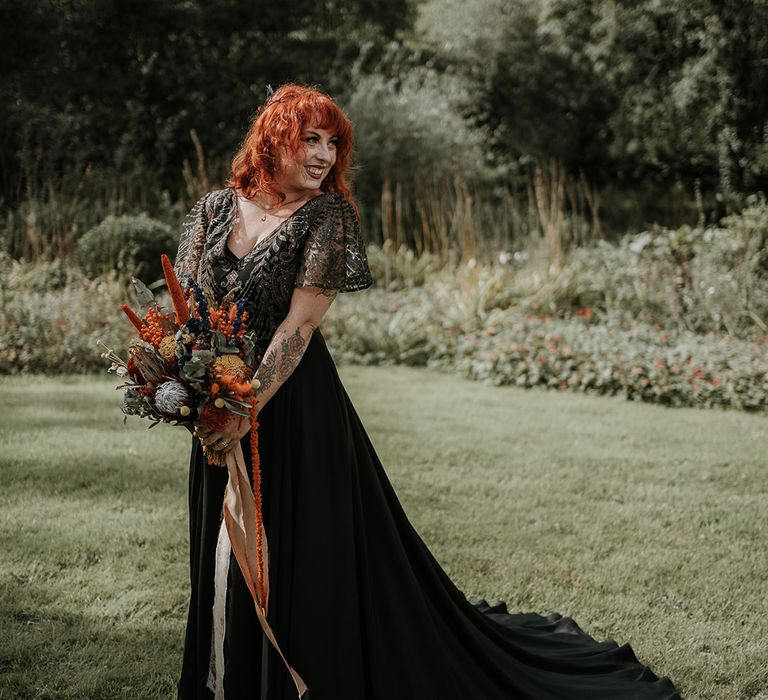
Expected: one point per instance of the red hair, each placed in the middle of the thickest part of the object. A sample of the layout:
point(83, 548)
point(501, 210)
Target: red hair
point(278, 125)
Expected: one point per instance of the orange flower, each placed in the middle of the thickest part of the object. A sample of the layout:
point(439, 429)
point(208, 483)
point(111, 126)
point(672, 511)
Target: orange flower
point(132, 317)
point(256, 470)
point(153, 331)
point(234, 384)
point(177, 294)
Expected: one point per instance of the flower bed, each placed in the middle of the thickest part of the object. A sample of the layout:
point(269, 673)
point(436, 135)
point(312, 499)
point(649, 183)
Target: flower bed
point(635, 360)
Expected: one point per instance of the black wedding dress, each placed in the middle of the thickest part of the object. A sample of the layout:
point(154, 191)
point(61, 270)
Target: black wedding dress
point(360, 607)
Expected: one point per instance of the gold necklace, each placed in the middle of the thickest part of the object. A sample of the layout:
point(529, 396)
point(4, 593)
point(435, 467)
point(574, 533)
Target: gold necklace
point(282, 204)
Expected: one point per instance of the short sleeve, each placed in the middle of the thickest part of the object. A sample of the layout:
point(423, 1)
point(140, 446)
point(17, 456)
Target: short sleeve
point(334, 254)
point(192, 239)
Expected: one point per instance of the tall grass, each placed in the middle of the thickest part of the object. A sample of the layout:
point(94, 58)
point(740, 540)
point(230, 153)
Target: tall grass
point(50, 210)
point(458, 219)
point(449, 217)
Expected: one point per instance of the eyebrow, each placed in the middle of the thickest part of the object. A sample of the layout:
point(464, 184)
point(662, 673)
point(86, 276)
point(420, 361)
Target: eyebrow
point(315, 133)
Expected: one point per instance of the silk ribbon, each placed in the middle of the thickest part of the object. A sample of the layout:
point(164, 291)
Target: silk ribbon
point(240, 519)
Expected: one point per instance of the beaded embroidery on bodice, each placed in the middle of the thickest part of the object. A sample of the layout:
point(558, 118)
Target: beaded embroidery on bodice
point(318, 245)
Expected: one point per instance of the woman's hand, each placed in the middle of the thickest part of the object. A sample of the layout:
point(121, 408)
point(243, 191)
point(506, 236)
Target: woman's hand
point(224, 440)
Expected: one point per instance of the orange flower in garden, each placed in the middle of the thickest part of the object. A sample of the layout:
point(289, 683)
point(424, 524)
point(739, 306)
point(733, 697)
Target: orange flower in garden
point(176, 292)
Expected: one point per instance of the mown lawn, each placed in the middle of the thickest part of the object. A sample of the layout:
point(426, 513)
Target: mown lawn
point(645, 524)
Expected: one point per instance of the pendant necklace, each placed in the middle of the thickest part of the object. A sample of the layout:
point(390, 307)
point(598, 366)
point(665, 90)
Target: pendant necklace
point(265, 214)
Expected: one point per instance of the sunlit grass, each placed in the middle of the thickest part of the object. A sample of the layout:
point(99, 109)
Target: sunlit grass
point(645, 524)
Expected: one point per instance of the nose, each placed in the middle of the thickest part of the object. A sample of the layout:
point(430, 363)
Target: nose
point(324, 153)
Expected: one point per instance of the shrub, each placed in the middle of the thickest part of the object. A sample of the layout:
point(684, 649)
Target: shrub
point(699, 279)
point(51, 328)
point(466, 318)
point(131, 245)
point(463, 321)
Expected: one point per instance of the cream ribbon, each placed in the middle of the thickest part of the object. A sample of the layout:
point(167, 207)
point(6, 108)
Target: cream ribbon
point(223, 550)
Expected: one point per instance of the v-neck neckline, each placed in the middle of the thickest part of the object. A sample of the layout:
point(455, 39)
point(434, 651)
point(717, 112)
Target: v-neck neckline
point(268, 236)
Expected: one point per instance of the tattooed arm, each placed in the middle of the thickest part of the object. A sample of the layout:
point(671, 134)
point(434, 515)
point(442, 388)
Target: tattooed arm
point(308, 306)
point(285, 350)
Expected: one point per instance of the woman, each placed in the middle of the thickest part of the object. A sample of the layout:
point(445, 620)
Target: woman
point(359, 606)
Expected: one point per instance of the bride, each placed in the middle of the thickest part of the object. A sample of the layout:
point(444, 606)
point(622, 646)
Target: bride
point(359, 609)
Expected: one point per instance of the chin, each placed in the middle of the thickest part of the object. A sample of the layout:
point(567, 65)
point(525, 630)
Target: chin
point(314, 185)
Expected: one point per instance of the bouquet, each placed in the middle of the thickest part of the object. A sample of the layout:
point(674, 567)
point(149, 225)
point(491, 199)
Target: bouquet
point(194, 365)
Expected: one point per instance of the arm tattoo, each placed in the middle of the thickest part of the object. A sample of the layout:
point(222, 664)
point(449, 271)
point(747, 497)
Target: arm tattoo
point(267, 370)
point(285, 350)
point(280, 359)
point(292, 349)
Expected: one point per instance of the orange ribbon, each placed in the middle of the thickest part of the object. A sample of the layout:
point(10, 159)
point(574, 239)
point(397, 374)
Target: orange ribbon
point(243, 527)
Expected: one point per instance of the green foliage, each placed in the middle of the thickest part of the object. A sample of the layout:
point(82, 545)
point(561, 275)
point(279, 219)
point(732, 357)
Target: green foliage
point(131, 245)
point(162, 71)
point(51, 317)
point(701, 279)
point(643, 318)
point(505, 346)
point(399, 269)
point(409, 128)
point(650, 97)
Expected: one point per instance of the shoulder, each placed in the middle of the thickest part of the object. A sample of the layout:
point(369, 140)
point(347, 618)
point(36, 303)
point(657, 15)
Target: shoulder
point(217, 198)
point(334, 205)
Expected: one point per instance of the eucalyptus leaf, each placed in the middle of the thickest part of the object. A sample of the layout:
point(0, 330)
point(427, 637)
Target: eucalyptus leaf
point(218, 342)
point(205, 356)
point(244, 404)
point(143, 294)
point(194, 368)
point(235, 409)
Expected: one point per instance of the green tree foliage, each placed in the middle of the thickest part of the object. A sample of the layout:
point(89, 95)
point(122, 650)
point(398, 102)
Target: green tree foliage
point(638, 94)
point(121, 83)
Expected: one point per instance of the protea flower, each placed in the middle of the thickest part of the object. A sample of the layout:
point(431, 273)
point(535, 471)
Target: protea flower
point(170, 397)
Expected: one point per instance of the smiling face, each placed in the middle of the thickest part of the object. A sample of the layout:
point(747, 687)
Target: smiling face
point(302, 174)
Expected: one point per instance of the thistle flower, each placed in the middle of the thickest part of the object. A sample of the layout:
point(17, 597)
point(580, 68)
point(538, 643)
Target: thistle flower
point(170, 397)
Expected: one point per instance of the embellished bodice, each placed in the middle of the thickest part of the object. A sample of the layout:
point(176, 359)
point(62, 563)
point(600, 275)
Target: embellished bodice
point(319, 245)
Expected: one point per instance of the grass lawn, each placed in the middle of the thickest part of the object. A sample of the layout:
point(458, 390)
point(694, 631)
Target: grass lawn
point(646, 524)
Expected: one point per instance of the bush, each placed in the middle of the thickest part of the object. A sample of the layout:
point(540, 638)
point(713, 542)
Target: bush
point(699, 279)
point(464, 320)
point(131, 245)
point(52, 328)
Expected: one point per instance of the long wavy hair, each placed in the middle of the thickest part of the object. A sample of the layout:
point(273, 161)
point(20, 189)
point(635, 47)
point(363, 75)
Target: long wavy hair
point(277, 127)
